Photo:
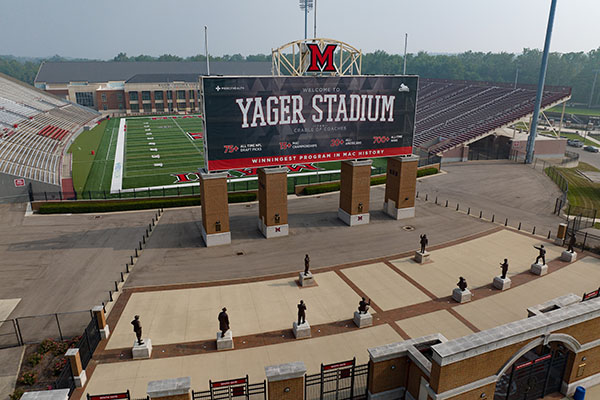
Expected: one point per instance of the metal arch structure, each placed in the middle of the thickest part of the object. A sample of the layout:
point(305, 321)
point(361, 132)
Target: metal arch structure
point(294, 58)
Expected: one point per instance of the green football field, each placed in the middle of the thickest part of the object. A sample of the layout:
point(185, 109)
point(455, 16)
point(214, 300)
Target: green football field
point(156, 151)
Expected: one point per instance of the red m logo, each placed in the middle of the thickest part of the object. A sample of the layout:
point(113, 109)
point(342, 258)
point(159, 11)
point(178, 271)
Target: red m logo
point(321, 61)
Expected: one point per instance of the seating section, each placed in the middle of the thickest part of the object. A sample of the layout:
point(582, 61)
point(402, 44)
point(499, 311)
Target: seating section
point(450, 113)
point(35, 128)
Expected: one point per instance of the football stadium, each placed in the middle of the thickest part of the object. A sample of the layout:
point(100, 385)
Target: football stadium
point(297, 229)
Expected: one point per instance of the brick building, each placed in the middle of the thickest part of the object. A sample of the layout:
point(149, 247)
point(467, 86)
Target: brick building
point(116, 88)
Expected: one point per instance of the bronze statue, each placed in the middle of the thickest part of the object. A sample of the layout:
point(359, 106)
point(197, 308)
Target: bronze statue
point(424, 242)
point(223, 322)
point(363, 306)
point(301, 312)
point(462, 284)
point(306, 264)
point(572, 243)
point(137, 328)
point(542, 254)
point(504, 267)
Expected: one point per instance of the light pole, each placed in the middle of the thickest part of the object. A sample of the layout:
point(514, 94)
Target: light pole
point(206, 49)
point(405, 46)
point(516, 77)
point(540, 87)
point(306, 6)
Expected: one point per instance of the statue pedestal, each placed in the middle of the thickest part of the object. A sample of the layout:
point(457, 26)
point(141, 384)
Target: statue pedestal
point(306, 280)
point(461, 296)
point(225, 343)
point(363, 320)
point(501, 284)
point(421, 258)
point(568, 256)
point(302, 330)
point(539, 269)
point(140, 351)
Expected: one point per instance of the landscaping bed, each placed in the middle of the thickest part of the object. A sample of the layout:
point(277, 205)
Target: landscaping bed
point(42, 363)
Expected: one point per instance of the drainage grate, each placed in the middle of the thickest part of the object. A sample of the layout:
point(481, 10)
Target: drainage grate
point(239, 253)
point(408, 228)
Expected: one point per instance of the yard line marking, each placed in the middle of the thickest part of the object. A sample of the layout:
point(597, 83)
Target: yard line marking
point(187, 137)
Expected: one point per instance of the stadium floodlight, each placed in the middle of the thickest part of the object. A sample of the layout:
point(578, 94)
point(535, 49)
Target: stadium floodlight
point(306, 6)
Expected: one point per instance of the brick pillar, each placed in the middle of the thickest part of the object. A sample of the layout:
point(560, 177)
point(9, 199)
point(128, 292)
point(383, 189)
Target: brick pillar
point(465, 153)
point(286, 381)
point(78, 372)
point(101, 320)
point(272, 202)
point(215, 208)
point(400, 187)
point(388, 371)
point(355, 192)
point(170, 389)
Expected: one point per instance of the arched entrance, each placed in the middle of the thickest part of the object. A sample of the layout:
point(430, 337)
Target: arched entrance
point(534, 374)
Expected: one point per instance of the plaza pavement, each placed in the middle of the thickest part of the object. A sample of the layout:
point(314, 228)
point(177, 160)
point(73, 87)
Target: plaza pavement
point(408, 300)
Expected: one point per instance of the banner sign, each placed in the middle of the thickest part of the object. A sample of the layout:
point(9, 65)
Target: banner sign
point(255, 122)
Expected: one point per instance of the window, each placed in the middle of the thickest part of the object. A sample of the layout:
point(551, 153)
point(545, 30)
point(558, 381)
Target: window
point(120, 106)
point(181, 94)
point(145, 95)
point(169, 95)
point(105, 106)
point(119, 96)
point(158, 95)
point(160, 107)
point(135, 107)
point(84, 99)
point(191, 92)
point(147, 107)
point(181, 106)
point(133, 96)
point(103, 95)
point(170, 106)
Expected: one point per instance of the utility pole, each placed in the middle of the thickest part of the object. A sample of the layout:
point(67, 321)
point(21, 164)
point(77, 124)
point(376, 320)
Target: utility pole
point(593, 87)
point(405, 46)
point(206, 49)
point(540, 88)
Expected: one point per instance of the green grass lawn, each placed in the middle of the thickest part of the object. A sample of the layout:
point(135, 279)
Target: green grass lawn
point(582, 192)
point(576, 111)
point(81, 149)
point(578, 137)
point(101, 170)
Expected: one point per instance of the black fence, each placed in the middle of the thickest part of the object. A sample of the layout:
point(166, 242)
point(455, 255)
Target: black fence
point(580, 217)
point(338, 381)
point(9, 334)
point(90, 338)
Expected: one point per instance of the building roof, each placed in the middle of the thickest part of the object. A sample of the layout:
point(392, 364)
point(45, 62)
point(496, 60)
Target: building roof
point(105, 71)
point(162, 78)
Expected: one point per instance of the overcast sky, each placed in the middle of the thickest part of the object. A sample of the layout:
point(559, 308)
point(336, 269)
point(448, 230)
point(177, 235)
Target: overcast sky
point(101, 29)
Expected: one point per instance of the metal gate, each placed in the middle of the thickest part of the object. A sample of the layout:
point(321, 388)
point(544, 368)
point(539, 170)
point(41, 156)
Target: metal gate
point(233, 389)
point(533, 379)
point(337, 381)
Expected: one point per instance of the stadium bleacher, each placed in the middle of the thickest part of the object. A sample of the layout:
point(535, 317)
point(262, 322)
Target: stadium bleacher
point(452, 113)
point(35, 127)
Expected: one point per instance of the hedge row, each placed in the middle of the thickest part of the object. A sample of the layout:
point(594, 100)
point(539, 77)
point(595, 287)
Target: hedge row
point(133, 204)
point(378, 180)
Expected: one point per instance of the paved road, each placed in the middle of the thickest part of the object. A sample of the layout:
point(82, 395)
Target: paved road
point(586, 156)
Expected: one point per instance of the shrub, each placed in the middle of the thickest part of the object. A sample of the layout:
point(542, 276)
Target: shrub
point(34, 359)
point(378, 180)
point(28, 378)
point(61, 348)
point(47, 345)
point(58, 366)
point(16, 395)
point(94, 206)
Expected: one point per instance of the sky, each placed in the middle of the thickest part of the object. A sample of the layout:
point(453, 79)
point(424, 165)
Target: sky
point(102, 29)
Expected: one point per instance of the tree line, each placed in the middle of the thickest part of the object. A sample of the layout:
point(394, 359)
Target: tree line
point(576, 69)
